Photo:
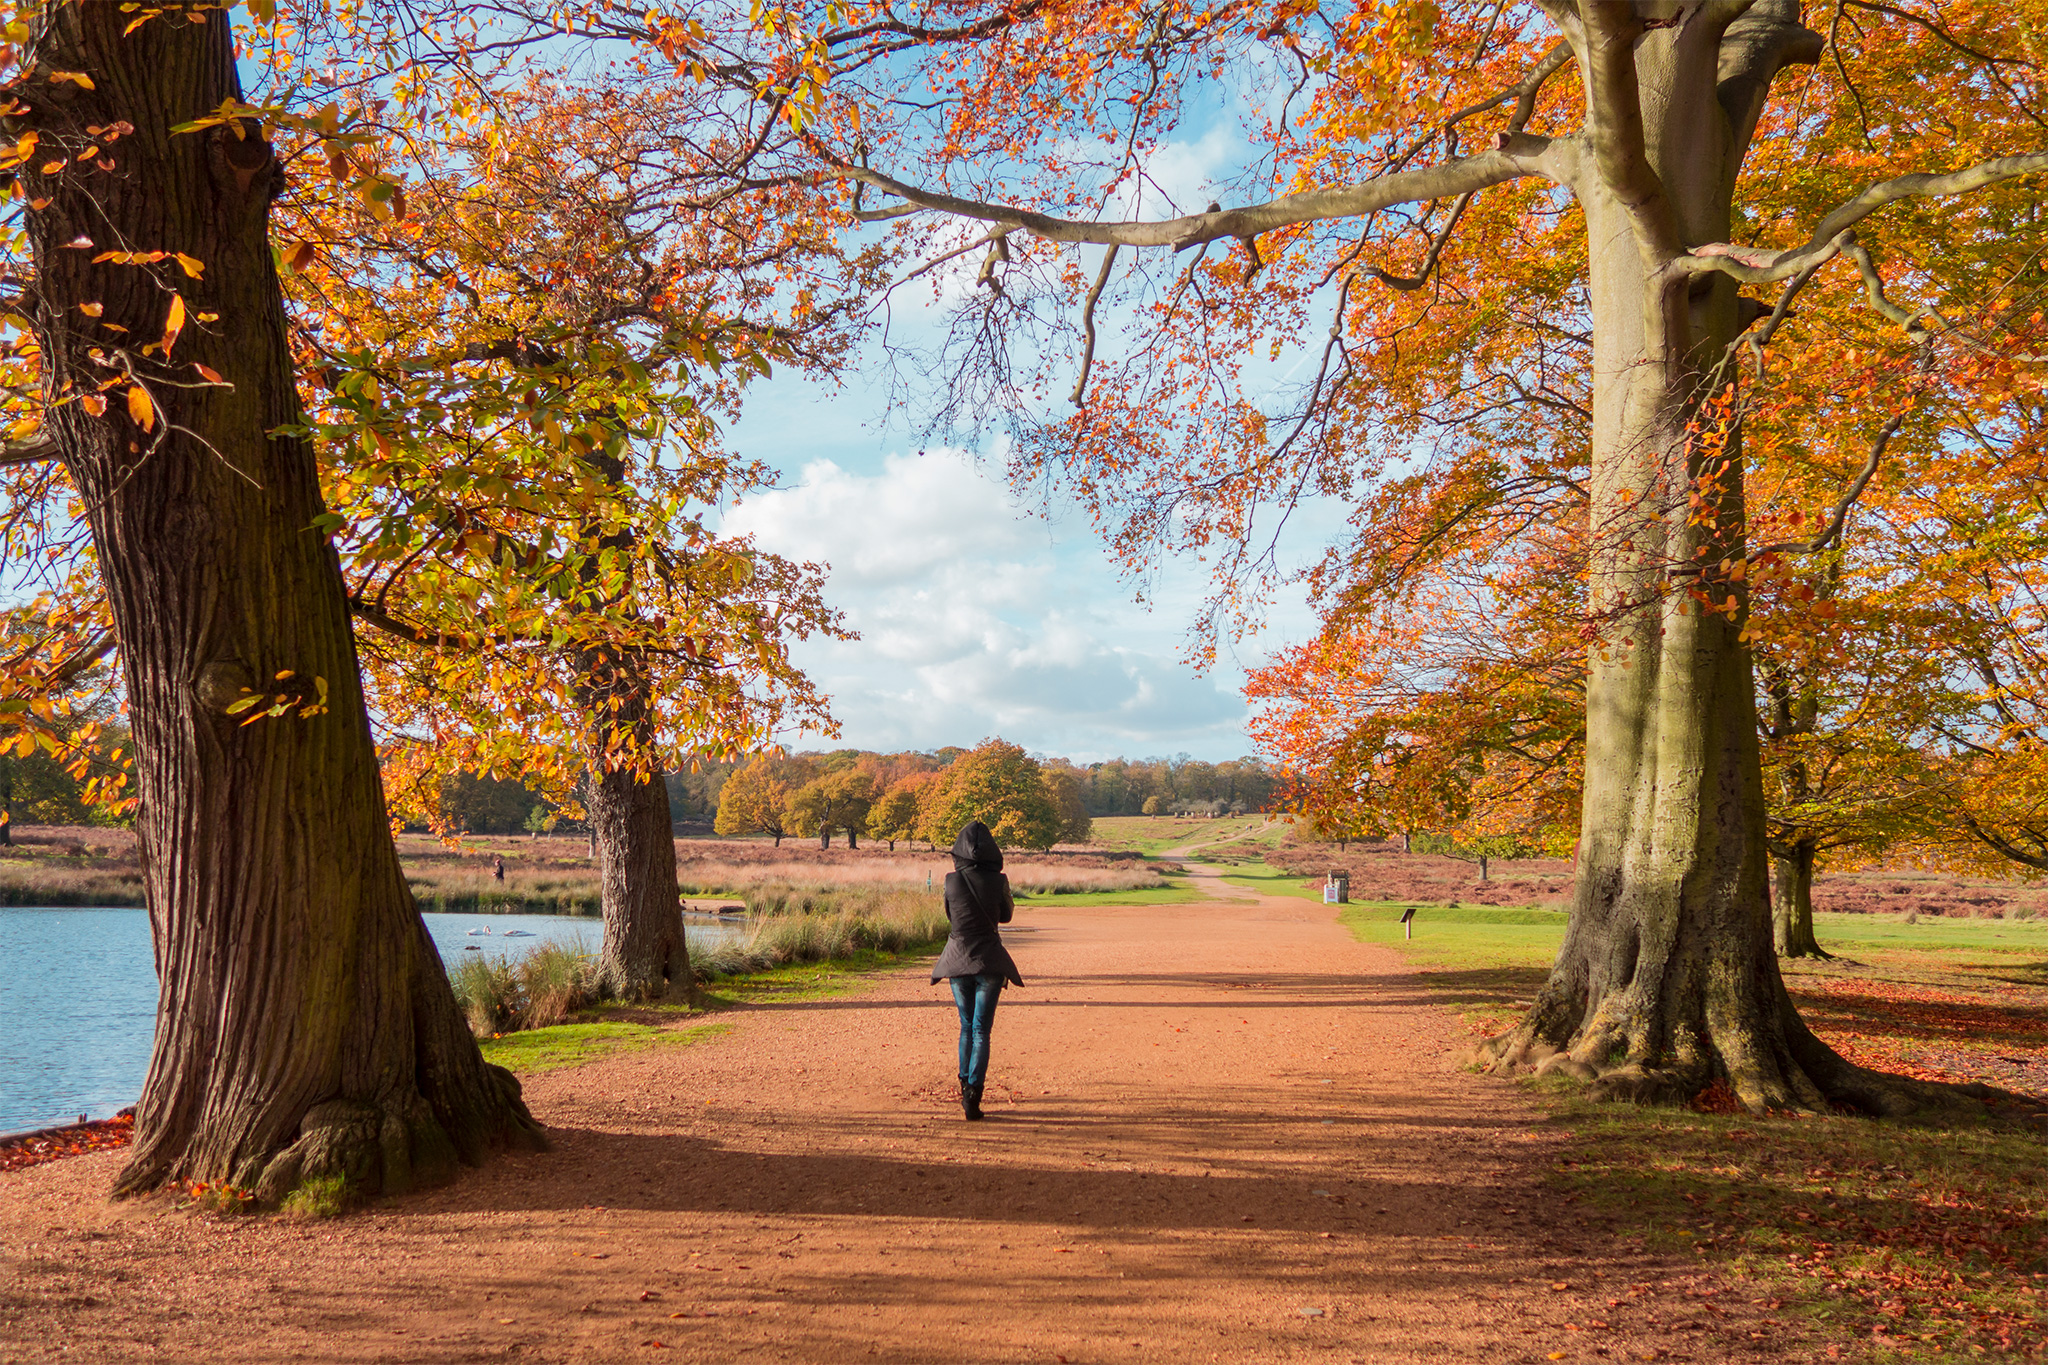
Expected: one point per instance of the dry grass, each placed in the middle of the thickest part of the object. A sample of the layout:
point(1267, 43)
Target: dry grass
point(525, 890)
point(851, 923)
point(708, 878)
point(556, 875)
point(542, 988)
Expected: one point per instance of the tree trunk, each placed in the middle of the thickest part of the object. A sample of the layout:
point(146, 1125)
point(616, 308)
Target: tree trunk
point(644, 956)
point(853, 836)
point(305, 1028)
point(1483, 861)
point(824, 836)
point(1407, 842)
point(1666, 980)
point(1792, 903)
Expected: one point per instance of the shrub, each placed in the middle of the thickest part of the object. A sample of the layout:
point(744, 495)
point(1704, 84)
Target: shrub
point(546, 986)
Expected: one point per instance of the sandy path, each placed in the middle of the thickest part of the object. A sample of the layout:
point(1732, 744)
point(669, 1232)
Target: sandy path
point(1218, 1132)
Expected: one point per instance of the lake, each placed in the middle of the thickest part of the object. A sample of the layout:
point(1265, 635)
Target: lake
point(78, 999)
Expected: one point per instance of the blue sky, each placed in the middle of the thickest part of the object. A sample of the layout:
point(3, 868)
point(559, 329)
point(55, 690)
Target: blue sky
point(978, 615)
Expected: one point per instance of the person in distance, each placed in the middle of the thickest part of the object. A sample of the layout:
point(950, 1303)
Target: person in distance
point(975, 961)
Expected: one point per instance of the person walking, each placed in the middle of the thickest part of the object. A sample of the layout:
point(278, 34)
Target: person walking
point(975, 961)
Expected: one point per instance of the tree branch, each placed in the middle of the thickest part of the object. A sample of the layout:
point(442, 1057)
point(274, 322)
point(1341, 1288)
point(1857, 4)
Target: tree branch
point(1088, 322)
point(1407, 283)
point(37, 449)
point(1615, 117)
point(1525, 155)
point(1759, 265)
point(1833, 527)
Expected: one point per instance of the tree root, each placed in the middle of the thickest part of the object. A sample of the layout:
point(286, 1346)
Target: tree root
point(1823, 1080)
point(389, 1149)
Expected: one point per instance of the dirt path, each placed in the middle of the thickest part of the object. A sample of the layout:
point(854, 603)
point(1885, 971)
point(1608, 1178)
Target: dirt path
point(1218, 1132)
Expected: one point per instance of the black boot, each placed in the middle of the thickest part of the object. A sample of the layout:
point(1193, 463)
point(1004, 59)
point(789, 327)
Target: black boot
point(970, 1101)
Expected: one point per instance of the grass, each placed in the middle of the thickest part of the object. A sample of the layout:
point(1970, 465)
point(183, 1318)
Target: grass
point(1169, 891)
point(1157, 833)
point(317, 1199)
point(880, 921)
point(542, 987)
point(559, 1045)
point(1914, 1241)
point(800, 981)
point(765, 886)
point(1271, 881)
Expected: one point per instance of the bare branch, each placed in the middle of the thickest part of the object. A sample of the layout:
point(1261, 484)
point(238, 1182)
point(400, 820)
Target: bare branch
point(89, 654)
point(1832, 529)
point(1873, 285)
point(1407, 283)
point(1525, 155)
point(1758, 265)
point(1088, 322)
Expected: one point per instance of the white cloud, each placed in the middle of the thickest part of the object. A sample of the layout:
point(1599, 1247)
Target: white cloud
point(980, 619)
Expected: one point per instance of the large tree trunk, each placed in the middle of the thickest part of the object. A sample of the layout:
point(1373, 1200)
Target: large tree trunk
point(306, 1027)
point(1792, 902)
point(644, 955)
point(1667, 981)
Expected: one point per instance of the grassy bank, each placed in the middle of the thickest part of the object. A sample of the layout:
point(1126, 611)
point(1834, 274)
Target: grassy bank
point(561, 1045)
point(1150, 834)
point(552, 984)
point(1902, 1241)
point(1169, 891)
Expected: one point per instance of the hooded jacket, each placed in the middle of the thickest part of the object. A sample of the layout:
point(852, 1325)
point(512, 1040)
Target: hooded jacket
point(977, 900)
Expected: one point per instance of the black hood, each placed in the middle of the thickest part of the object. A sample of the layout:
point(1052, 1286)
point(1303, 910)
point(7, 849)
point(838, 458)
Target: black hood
point(976, 847)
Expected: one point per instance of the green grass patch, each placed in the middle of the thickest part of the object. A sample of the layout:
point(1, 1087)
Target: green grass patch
point(1174, 892)
point(1270, 881)
point(320, 1198)
point(1156, 833)
point(800, 981)
point(548, 1049)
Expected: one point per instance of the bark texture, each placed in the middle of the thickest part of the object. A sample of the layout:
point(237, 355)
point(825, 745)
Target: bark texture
point(644, 956)
point(1667, 980)
point(306, 1027)
point(1792, 902)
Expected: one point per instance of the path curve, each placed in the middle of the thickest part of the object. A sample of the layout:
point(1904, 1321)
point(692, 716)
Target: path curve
point(1222, 1131)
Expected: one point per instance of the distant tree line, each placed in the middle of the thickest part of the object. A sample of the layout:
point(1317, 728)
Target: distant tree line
point(865, 794)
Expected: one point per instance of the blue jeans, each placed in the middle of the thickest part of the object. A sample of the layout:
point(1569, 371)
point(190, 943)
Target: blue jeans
point(976, 997)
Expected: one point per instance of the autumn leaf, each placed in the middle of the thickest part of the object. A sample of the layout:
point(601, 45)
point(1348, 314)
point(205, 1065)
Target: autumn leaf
point(140, 409)
point(94, 404)
point(174, 323)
